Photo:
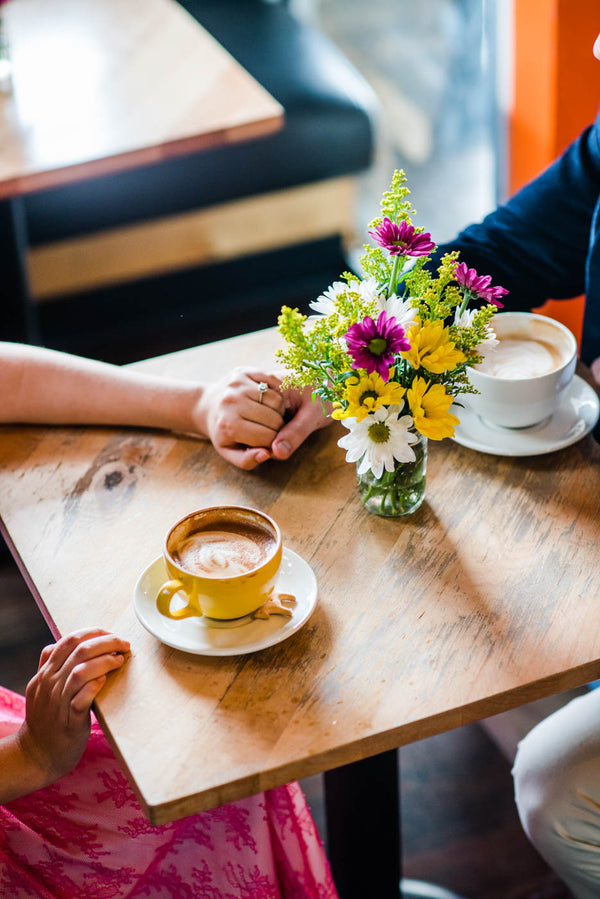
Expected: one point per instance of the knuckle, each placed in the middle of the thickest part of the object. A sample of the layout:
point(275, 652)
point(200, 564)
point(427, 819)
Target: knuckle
point(70, 643)
point(32, 688)
point(47, 651)
point(237, 377)
point(229, 397)
point(77, 678)
point(226, 431)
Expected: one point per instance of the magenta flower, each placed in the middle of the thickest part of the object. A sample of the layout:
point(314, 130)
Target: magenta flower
point(402, 239)
point(479, 285)
point(372, 345)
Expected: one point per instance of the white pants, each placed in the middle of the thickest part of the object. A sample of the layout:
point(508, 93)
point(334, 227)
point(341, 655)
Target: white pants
point(557, 790)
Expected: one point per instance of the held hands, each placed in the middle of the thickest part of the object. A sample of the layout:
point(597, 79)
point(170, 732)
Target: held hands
point(241, 420)
point(247, 426)
point(70, 675)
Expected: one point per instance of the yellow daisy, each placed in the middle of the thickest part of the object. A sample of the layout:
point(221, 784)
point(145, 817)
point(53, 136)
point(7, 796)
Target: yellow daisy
point(429, 406)
point(367, 394)
point(431, 348)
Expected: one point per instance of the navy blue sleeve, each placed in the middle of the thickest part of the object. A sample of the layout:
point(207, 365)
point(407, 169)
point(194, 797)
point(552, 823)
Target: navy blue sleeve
point(536, 245)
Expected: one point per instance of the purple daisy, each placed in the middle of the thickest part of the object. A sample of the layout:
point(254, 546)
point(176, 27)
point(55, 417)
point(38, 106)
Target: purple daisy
point(372, 345)
point(402, 239)
point(479, 285)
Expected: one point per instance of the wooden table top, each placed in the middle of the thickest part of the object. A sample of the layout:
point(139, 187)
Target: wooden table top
point(104, 85)
point(484, 599)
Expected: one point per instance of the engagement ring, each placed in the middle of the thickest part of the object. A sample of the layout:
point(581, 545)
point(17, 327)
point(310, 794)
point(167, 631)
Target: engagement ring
point(262, 389)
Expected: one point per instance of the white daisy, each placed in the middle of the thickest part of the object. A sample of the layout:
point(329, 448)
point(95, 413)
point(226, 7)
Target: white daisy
point(368, 290)
point(379, 440)
point(401, 310)
point(325, 304)
point(489, 342)
point(465, 320)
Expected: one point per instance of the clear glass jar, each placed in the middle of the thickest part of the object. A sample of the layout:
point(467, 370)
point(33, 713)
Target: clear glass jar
point(399, 492)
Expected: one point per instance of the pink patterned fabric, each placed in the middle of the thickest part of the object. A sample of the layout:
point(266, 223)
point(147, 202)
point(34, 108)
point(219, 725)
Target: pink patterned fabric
point(85, 837)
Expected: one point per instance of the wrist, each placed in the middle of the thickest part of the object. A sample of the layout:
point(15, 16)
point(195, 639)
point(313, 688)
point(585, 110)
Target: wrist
point(21, 770)
point(187, 413)
point(200, 413)
point(36, 764)
point(169, 405)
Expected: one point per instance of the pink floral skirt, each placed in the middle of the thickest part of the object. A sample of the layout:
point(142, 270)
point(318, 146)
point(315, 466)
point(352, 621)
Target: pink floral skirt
point(86, 837)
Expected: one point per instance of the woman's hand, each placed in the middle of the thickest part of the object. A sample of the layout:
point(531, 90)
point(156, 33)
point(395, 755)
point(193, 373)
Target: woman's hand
point(70, 675)
point(240, 420)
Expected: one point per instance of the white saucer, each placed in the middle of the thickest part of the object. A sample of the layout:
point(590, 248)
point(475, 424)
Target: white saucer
point(207, 637)
point(575, 417)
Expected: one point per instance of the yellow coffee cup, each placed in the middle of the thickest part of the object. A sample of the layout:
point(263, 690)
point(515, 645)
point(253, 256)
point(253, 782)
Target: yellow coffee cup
point(224, 559)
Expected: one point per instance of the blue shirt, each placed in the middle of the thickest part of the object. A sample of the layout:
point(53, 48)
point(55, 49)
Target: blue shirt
point(545, 241)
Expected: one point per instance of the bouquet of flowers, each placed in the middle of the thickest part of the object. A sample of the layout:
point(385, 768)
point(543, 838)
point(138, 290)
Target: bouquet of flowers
point(388, 353)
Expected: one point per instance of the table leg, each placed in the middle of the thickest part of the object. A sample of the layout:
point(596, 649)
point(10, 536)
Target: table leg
point(362, 805)
point(18, 316)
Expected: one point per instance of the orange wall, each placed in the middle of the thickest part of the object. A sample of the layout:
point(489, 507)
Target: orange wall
point(556, 94)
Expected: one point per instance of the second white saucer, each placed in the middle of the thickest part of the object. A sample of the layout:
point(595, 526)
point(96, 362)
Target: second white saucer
point(576, 416)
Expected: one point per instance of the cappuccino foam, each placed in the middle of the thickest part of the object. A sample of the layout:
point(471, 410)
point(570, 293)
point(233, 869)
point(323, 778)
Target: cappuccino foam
point(225, 551)
point(517, 358)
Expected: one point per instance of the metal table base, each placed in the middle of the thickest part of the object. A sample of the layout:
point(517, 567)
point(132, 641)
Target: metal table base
point(362, 805)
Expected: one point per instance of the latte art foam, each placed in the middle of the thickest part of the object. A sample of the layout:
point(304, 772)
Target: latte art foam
point(224, 553)
point(517, 358)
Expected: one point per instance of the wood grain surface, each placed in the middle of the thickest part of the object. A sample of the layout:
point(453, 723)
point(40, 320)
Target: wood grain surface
point(484, 599)
point(104, 85)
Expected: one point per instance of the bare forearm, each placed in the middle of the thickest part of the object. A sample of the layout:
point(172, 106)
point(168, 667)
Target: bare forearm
point(40, 386)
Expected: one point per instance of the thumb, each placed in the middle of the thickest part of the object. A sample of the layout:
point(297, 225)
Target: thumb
point(295, 432)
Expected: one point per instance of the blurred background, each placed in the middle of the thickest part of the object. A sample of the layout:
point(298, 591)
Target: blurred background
point(441, 73)
point(471, 98)
point(366, 88)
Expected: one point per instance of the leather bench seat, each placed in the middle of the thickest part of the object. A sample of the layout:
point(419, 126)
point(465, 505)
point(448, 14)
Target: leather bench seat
point(291, 190)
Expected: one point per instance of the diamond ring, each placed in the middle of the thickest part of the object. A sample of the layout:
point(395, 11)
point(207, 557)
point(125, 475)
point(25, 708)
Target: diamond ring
point(262, 389)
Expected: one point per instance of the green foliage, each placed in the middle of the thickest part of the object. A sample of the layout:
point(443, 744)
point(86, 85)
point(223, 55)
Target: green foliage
point(376, 264)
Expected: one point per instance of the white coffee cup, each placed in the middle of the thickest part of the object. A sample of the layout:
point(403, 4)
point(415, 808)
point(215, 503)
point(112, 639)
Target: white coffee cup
point(522, 381)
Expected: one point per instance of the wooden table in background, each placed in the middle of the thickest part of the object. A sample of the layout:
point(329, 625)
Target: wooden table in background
point(100, 86)
point(484, 599)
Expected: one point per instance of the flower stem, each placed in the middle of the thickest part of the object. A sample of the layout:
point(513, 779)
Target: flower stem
point(393, 285)
point(467, 296)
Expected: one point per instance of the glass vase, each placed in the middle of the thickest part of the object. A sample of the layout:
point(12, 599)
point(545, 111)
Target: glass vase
point(398, 492)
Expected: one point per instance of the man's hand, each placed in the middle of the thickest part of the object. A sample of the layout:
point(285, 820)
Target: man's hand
point(306, 418)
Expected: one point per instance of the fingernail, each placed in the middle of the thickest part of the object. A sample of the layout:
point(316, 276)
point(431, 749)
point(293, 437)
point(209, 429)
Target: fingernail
point(283, 448)
point(262, 456)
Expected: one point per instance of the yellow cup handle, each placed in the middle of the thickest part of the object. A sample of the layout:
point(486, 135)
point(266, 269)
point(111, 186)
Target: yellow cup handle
point(164, 597)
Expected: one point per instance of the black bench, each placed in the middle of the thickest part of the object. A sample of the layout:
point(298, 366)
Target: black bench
point(294, 187)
